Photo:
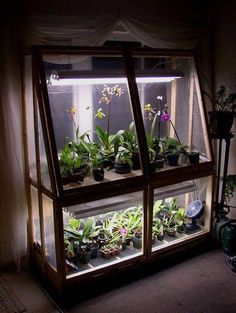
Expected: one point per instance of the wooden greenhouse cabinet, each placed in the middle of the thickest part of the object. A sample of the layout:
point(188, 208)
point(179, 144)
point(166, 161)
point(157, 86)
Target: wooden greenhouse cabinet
point(81, 98)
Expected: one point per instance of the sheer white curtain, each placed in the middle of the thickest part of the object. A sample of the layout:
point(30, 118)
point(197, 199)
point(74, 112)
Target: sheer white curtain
point(82, 30)
point(159, 33)
point(55, 30)
point(93, 30)
point(13, 209)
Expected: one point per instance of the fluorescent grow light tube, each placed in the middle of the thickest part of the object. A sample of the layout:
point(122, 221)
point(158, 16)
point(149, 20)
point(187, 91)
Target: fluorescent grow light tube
point(106, 80)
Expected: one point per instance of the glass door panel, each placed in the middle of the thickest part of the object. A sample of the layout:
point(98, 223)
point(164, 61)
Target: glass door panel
point(92, 119)
point(181, 212)
point(103, 232)
point(172, 111)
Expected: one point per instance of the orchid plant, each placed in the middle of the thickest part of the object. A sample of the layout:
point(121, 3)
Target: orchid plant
point(107, 94)
point(161, 114)
point(73, 114)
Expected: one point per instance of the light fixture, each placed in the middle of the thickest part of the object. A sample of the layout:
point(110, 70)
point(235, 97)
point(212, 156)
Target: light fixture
point(108, 80)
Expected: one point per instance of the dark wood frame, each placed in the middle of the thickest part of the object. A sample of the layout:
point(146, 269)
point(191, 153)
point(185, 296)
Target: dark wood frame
point(146, 182)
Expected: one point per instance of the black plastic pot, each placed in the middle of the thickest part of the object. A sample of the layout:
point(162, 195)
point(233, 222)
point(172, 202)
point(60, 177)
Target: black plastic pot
point(102, 240)
point(193, 157)
point(94, 249)
point(122, 168)
point(172, 159)
point(75, 177)
point(137, 242)
point(136, 161)
point(160, 163)
point(98, 174)
point(152, 167)
point(84, 255)
point(221, 123)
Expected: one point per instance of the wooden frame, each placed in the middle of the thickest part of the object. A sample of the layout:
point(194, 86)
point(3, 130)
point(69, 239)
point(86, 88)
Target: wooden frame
point(146, 182)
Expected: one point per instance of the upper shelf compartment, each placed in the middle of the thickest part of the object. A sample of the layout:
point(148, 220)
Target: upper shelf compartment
point(100, 108)
point(172, 110)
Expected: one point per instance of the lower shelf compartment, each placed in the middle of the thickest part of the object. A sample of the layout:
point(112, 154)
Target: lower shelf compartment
point(130, 252)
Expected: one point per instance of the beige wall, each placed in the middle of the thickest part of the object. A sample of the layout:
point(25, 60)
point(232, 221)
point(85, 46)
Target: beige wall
point(224, 28)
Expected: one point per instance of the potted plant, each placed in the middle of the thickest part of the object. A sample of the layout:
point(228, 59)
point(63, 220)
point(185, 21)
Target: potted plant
point(230, 188)
point(171, 150)
point(83, 233)
point(136, 218)
point(97, 167)
point(159, 160)
point(160, 233)
point(123, 162)
point(137, 239)
point(108, 146)
point(168, 216)
point(180, 220)
point(132, 222)
point(109, 143)
point(84, 254)
point(69, 251)
point(170, 229)
point(121, 229)
point(152, 159)
point(97, 162)
point(73, 165)
point(157, 229)
point(110, 250)
point(153, 141)
point(172, 147)
point(156, 157)
point(194, 157)
point(169, 225)
point(183, 153)
point(222, 117)
point(128, 140)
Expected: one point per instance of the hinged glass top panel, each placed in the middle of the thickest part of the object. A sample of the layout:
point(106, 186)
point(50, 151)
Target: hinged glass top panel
point(92, 119)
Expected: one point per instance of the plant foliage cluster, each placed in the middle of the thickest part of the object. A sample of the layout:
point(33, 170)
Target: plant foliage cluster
point(120, 227)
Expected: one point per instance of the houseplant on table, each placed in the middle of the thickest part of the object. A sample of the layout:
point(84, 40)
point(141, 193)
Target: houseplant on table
point(222, 117)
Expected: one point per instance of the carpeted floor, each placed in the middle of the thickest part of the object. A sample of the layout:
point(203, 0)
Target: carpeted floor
point(203, 284)
point(29, 296)
point(9, 302)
